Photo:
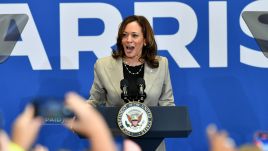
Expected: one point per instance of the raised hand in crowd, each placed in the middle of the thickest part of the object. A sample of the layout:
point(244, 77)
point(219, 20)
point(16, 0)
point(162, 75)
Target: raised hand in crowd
point(90, 123)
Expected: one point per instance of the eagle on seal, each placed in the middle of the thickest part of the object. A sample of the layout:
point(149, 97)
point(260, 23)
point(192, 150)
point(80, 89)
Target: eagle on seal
point(134, 119)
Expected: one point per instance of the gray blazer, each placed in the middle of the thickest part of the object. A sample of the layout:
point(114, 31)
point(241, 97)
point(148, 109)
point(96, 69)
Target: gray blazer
point(108, 72)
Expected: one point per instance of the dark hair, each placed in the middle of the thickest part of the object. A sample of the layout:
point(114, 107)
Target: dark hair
point(149, 51)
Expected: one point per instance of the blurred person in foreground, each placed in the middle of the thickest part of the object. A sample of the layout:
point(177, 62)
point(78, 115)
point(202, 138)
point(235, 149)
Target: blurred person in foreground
point(91, 124)
point(24, 132)
point(220, 141)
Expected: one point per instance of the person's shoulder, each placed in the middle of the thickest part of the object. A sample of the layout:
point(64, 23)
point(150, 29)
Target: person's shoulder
point(162, 59)
point(105, 60)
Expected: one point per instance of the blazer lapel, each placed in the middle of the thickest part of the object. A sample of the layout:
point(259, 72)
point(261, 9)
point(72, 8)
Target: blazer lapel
point(115, 74)
point(149, 77)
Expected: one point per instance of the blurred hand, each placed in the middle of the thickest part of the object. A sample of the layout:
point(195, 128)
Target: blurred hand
point(219, 140)
point(4, 141)
point(26, 128)
point(90, 123)
point(130, 145)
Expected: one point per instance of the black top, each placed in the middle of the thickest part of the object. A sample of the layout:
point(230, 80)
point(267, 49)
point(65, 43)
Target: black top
point(131, 74)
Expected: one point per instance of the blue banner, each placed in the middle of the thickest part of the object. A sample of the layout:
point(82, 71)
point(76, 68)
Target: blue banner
point(216, 67)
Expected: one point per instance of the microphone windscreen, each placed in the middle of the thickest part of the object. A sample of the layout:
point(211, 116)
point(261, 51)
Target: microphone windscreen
point(140, 81)
point(123, 83)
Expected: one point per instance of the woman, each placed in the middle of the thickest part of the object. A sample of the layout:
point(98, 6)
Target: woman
point(135, 57)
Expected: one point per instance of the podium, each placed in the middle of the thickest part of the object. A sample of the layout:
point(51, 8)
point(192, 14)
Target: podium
point(168, 122)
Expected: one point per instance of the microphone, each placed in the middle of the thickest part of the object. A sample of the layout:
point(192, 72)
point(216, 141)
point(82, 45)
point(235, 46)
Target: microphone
point(141, 88)
point(124, 87)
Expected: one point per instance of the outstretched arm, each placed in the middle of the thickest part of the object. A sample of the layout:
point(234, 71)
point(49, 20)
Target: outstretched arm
point(90, 123)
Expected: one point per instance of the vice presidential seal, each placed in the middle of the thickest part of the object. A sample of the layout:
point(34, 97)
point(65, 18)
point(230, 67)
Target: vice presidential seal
point(134, 119)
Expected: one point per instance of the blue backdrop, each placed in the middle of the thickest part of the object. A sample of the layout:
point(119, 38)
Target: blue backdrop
point(216, 67)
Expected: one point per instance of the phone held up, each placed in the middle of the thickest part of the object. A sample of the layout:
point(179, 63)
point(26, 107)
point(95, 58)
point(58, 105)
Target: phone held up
point(53, 110)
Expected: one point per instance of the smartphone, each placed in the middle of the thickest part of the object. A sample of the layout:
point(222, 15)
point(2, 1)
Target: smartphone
point(261, 140)
point(52, 110)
